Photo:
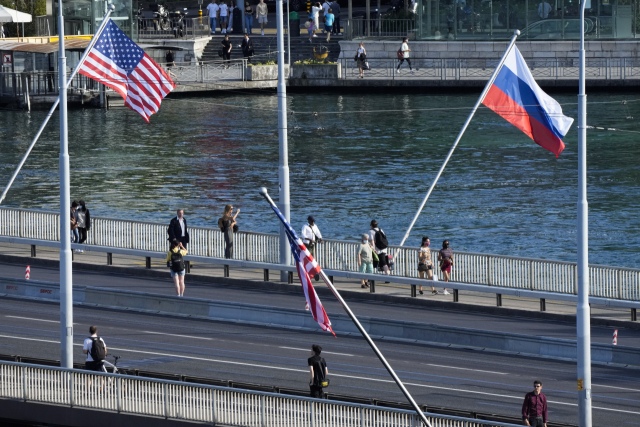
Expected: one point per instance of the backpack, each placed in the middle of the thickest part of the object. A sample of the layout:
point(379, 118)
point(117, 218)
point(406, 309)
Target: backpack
point(381, 239)
point(98, 351)
point(177, 262)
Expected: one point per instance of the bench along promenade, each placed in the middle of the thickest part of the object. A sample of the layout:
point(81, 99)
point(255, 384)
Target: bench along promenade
point(476, 272)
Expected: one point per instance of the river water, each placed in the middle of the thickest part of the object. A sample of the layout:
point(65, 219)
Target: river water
point(360, 157)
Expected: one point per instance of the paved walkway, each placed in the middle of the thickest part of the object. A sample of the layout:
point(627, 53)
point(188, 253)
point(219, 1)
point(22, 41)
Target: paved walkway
point(465, 297)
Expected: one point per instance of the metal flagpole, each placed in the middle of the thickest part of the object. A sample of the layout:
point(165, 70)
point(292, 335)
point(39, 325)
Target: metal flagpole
point(265, 194)
point(55, 104)
point(516, 33)
point(583, 326)
point(283, 166)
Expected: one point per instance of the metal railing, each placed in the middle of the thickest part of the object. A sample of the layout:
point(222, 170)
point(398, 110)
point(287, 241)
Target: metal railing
point(187, 29)
point(476, 268)
point(379, 28)
point(201, 403)
point(467, 69)
point(207, 72)
point(35, 83)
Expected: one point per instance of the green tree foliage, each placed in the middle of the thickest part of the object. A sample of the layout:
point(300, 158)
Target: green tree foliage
point(32, 7)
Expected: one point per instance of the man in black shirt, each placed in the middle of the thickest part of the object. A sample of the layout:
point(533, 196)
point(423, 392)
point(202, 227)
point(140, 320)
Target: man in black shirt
point(226, 50)
point(317, 370)
point(170, 58)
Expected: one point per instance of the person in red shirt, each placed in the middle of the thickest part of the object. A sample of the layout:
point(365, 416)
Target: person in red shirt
point(534, 407)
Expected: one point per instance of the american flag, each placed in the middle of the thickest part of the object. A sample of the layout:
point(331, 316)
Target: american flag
point(307, 267)
point(122, 65)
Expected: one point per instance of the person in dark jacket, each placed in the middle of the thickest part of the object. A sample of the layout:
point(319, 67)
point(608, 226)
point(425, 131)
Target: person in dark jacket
point(534, 407)
point(178, 229)
point(226, 50)
point(318, 371)
point(336, 11)
point(247, 48)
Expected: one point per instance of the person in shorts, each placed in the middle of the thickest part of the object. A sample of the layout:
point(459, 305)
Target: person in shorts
point(90, 364)
point(318, 372)
point(383, 257)
point(445, 258)
point(425, 266)
point(365, 259)
point(176, 253)
point(224, 12)
point(261, 15)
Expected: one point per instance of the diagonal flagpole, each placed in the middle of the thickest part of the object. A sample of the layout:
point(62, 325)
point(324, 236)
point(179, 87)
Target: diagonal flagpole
point(55, 104)
point(263, 192)
point(516, 33)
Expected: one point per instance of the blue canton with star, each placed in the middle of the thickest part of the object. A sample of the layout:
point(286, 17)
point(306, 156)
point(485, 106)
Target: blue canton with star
point(115, 44)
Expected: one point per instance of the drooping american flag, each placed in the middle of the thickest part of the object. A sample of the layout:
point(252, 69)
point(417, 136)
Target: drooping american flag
point(307, 267)
point(117, 62)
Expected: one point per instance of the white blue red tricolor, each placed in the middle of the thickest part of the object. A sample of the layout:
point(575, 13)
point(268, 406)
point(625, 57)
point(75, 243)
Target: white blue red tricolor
point(117, 62)
point(516, 97)
point(307, 267)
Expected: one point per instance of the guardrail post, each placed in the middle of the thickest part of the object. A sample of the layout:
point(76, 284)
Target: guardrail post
point(266, 274)
point(455, 295)
point(119, 394)
point(413, 291)
point(24, 384)
point(619, 283)
point(187, 266)
point(166, 398)
point(543, 304)
point(499, 300)
point(33, 251)
point(361, 416)
point(634, 316)
point(290, 278)
point(331, 279)
point(489, 270)
point(147, 262)
point(109, 258)
point(372, 286)
point(262, 410)
point(531, 275)
point(20, 223)
point(226, 271)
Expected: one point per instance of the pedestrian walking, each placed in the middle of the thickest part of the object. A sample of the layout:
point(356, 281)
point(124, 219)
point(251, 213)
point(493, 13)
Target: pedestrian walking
point(247, 48)
point(403, 55)
point(365, 259)
point(261, 15)
point(95, 349)
point(318, 372)
point(213, 10)
point(178, 229)
point(224, 12)
point(534, 407)
point(336, 11)
point(228, 225)
point(83, 218)
point(175, 261)
point(248, 17)
point(445, 258)
point(75, 234)
point(311, 28)
point(325, 9)
point(315, 13)
point(380, 242)
point(425, 266)
point(311, 235)
point(226, 50)
point(361, 58)
point(232, 10)
point(328, 23)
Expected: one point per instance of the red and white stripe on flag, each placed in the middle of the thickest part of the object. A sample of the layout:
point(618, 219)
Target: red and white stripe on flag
point(118, 63)
point(313, 301)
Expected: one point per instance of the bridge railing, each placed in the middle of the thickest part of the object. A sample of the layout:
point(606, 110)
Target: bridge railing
point(477, 268)
point(200, 403)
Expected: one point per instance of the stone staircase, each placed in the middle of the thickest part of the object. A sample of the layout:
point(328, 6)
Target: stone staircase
point(266, 47)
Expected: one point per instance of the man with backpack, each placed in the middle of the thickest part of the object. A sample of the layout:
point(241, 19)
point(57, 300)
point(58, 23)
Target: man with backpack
point(95, 349)
point(379, 239)
point(318, 372)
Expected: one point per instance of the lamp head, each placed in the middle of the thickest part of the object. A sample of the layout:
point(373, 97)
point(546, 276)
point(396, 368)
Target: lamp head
point(263, 191)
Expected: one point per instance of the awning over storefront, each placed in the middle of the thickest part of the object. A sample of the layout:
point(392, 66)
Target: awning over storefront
point(10, 15)
point(72, 44)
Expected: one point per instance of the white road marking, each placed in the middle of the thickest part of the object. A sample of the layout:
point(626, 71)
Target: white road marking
point(484, 393)
point(38, 320)
point(177, 335)
point(465, 369)
point(324, 352)
point(619, 388)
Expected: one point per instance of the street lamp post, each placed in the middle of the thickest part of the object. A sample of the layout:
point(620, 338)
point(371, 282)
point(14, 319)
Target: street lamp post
point(66, 285)
point(583, 326)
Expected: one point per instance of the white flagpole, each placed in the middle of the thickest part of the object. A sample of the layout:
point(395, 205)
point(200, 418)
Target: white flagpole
point(55, 104)
point(263, 192)
point(516, 33)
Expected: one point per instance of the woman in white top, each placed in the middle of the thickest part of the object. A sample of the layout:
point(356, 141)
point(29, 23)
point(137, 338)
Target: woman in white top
point(405, 54)
point(224, 11)
point(361, 57)
point(424, 263)
point(315, 12)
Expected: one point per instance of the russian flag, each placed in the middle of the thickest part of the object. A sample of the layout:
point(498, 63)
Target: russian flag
point(516, 97)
